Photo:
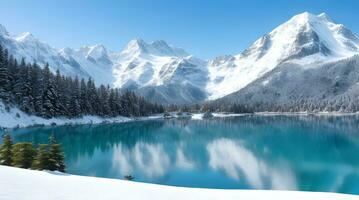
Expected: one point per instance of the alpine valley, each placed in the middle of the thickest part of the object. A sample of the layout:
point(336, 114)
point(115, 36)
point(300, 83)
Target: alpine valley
point(309, 58)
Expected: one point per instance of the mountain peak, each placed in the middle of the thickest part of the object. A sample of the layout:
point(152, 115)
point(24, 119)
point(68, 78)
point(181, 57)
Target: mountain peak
point(26, 36)
point(135, 46)
point(97, 51)
point(306, 17)
point(326, 17)
point(138, 47)
point(307, 34)
point(304, 39)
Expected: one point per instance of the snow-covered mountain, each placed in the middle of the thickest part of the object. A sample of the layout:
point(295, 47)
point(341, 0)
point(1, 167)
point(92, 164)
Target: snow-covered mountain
point(306, 40)
point(161, 73)
point(166, 74)
point(309, 62)
point(330, 86)
point(156, 70)
point(93, 61)
point(27, 46)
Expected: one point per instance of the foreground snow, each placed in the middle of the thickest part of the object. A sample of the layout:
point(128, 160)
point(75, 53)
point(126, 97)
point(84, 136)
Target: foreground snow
point(18, 184)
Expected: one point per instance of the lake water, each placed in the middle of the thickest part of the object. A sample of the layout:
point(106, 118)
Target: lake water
point(251, 152)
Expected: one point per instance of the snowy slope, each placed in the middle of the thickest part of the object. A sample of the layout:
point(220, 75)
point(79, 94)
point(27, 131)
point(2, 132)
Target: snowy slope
point(305, 39)
point(85, 62)
point(27, 46)
point(95, 60)
point(334, 83)
point(161, 73)
point(19, 184)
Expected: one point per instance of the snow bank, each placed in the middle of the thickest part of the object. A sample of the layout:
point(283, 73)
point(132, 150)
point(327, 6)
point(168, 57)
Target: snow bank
point(19, 184)
point(16, 118)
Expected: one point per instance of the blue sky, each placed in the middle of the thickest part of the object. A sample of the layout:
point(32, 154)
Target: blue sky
point(204, 28)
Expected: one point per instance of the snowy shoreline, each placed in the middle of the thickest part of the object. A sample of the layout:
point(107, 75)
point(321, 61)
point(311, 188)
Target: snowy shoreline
point(15, 118)
point(17, 184)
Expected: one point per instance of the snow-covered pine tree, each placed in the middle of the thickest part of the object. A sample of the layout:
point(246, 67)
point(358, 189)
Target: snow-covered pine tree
point(13, 70)
point(27, 100)
point(112, 102)
point(104, 100)
point(60, 84)
point(19, 81)
point(4, 75)
point(37, 88)
point(75, 108)
point(91, 94)
point(50, 101)
point(84, 104)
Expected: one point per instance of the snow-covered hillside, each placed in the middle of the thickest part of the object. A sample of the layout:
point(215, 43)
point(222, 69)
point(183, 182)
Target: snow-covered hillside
point(166, 74)
point(306, 39)
point(18, 184)
point(332, 86)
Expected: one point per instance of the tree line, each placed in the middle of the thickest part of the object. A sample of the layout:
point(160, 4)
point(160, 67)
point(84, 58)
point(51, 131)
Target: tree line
point(25, 155)
point(340, 103)
point(40, 92)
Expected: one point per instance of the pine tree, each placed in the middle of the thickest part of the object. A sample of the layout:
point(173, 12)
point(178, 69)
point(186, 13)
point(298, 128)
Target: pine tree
point(84, 105)
point(61, 90)
point(27, 101)
point(93, 98)
point(6, 151)
point(75, 108)
point(23, 155)
point(41, 161)
point(56, 156)
point(37, 88)
point(4, 75)
point(104, 100)
point(40, 92)
point(50, 102)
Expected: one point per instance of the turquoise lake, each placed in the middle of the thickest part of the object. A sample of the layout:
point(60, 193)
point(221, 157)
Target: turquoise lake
point(309, 153)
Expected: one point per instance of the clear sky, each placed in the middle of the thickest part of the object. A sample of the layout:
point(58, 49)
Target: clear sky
point(205, 28)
